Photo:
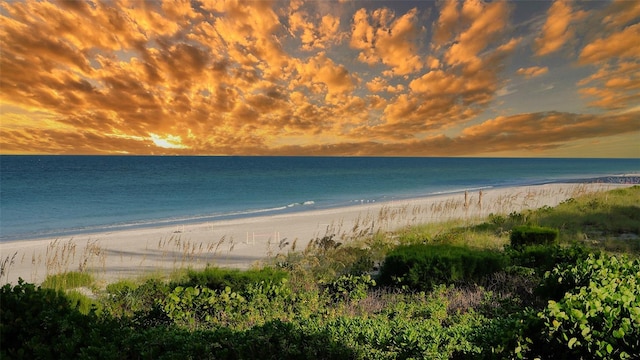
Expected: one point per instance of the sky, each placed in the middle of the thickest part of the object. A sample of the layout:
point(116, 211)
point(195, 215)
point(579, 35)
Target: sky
point(331, 78)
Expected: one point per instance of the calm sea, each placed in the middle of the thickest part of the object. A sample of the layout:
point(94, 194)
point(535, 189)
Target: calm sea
point(42, 196)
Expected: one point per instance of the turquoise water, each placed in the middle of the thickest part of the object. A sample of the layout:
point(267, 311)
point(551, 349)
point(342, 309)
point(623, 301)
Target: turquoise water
point(42, 196)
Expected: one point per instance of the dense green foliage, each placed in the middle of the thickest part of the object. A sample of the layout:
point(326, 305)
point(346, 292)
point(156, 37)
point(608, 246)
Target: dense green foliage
point(408, 326)
point(435, 297)
point(599, 315)
point(38, 323)
point(218, 278)
point(421, 267)
point(532, 235)
point(542, 258)
point(350, 287)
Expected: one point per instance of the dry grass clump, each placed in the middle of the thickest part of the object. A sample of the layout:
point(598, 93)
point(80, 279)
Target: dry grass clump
point(6, 264)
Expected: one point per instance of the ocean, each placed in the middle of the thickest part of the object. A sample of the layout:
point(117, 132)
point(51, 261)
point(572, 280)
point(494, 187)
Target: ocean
point(52, 196)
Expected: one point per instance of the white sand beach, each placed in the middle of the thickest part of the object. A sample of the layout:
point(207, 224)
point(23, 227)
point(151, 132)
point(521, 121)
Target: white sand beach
point(242, 243)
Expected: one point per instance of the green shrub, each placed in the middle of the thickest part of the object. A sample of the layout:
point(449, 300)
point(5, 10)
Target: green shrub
point(543, 258)
point(218, 279)
point(195, 306)
point(532, 235)
point(421, 267)
point(124, 298)
point(506, 336)
point(274, 340)
point(39, 323)
point(599, 316)
point(596, 317)
point(350, 287)
point(400, 338)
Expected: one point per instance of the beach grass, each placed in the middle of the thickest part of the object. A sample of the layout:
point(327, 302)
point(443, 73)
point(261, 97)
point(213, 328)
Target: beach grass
point(69, 280)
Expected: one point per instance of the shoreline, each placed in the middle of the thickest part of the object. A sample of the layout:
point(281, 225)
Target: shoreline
point(627, 179)
point(243, 242)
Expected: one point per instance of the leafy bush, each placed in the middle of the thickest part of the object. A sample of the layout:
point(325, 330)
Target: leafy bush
point(596, 317)
point(350, 287)
point(272, 340)
point(532, 235)
point(194, 306)
point(543, 258)
point(420, 266)
point(218, 279)
point(599, 316)
point(400, 338)
point(282, 340)
point(505, 337)
point(125, 299)
point(39, 323)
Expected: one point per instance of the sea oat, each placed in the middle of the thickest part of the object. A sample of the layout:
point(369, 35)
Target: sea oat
point(6, 264)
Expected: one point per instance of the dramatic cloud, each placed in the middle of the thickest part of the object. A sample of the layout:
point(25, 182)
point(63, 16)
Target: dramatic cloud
point(616, 54)
point(614, 86)
point(315, 35)
point(329, 77)
point(623, 44)
point(557, 28)
point(384, 38)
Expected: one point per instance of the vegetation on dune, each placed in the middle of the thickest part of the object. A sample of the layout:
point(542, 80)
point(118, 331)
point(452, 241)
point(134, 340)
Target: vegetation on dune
point(422, 267)
point(546, 283)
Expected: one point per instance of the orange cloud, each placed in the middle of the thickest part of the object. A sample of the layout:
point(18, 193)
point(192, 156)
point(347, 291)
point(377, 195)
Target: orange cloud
point(556, 30)
point(379, 84)
point(541, 130)
point(315, 36)
point(536, 133)
point(620, 13)
point(533, 71)
point(391, 40)
point(438, 83)
point(616, 83)
point(459, 88)
point(321, 75)
point(447, 22)
point(486, 22)
point(623, 44)
point(615, 86)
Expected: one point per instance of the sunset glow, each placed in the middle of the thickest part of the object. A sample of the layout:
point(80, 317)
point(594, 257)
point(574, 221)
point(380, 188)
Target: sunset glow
point(405, 78)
